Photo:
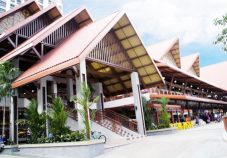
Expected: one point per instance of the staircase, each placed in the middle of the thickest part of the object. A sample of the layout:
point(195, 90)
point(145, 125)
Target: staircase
point(117, 123)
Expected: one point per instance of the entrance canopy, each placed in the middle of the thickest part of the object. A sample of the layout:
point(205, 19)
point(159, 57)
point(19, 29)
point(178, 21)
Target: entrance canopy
point(86, 43)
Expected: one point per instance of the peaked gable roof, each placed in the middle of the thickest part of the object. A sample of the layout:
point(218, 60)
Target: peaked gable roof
point(159, 50)
point(30, 4)
point(191, 62)
point(17, 14)
point(80, 15)
point(82, 42)
point(52, 11)
point(215, 73)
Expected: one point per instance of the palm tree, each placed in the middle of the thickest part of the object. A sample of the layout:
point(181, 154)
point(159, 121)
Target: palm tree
point(85, 101)
point(149, 122)
point(164, 115)
point(58, 117)
point(36, 122)
point(7, 74)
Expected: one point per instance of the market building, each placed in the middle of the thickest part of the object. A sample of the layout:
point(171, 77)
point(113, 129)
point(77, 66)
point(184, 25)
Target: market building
point(57, 53)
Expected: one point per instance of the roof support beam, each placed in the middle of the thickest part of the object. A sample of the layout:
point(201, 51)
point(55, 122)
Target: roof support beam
point(11, 42)
point(127, 37)
point(122, 27)
point(36, 52)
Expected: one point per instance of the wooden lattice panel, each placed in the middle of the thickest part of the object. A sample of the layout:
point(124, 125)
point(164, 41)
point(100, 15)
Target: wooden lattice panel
point(110, 52)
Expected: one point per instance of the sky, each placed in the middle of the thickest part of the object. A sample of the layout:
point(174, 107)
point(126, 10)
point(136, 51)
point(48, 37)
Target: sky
point(156, 20)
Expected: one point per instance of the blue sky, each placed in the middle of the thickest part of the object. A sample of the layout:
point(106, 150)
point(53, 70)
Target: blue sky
point(157, 20)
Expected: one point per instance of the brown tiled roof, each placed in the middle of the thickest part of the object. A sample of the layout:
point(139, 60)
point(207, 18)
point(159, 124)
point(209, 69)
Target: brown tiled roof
point(215, 73)
point(81, 43)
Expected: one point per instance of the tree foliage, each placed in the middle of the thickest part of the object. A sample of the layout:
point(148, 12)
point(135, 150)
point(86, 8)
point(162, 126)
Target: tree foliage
point(7, 74)
point(36, 122)
point(222, 36)
point(58, 118)
point(85, 101)
point(149, 122)
point(164, 115)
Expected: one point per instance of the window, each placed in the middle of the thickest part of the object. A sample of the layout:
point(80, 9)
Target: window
point(12, 1)
point(12, 5)
point(41, 1)
point(18, 1)
point(2, 3)
point(2, 10)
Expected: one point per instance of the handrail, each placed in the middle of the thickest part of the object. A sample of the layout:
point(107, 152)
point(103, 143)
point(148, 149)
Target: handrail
point(99, 117)
point(119, 119)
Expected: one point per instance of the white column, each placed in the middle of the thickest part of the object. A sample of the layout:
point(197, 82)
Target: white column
point(12, 109)
point(79, 81)
point(40, 92)
point(42, 98)
point(12, 120)
point(138, 103)
point(69, 88)
point(55, 88)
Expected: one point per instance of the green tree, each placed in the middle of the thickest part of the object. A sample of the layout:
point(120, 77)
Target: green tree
point(8, 73)
point(149, 122)
point(36, 122)
point(164, 115)
point(58, 118)
point(85, 101)
point(222, 36)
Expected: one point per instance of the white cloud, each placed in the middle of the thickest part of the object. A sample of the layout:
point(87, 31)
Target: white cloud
point(191, 20)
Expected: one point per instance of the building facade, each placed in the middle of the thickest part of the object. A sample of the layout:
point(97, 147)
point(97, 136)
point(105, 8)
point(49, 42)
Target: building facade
point(57, 54)
point(6, 5)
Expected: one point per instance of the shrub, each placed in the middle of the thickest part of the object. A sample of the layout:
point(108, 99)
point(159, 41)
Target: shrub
point(70, 137)
point(36, 122)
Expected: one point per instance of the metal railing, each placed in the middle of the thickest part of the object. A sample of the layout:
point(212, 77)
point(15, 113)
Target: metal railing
point(116, 119)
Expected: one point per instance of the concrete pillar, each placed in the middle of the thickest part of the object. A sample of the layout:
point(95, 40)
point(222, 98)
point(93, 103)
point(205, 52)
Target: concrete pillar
point(138, 103)
point(42, 99)
point(69, 88)
point(55, 89)
point(99, 92)
point(42, 95)
point(14, 110)
point(79, 81)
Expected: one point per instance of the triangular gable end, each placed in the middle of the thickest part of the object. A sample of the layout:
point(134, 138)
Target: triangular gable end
point(191, 64)
point(17, 14)
point(173, 55)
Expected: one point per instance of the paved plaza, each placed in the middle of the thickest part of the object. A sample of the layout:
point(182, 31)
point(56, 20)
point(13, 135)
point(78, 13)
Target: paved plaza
point(199, 142)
